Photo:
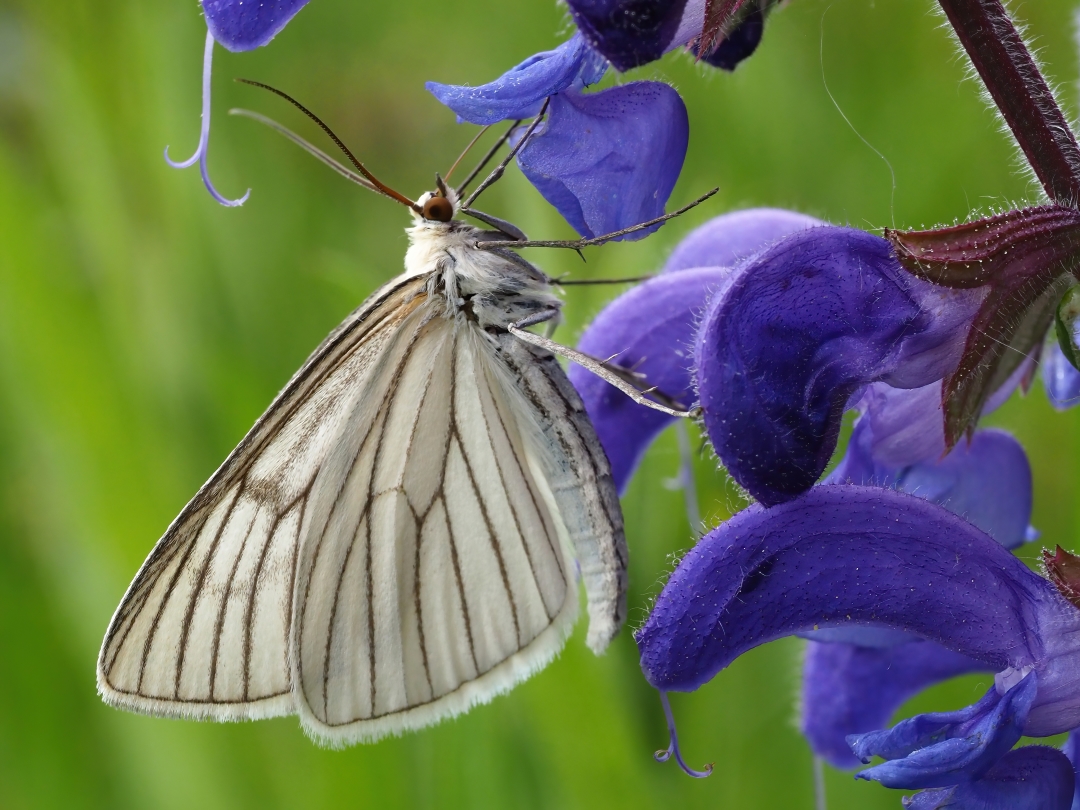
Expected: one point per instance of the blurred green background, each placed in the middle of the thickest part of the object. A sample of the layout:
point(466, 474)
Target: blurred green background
point(143, 328)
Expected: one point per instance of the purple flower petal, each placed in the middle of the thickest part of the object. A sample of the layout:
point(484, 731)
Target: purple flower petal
point(1031, 778)
point(903, 426)
point(729, 238)
point(850, 689)
point(806, 324)
point(945, 748)
point(847, 555)
point(632, 32)
point(520, 92)
point(986, 481)
point(243, 27)
point(1061, 379)
point(609, 160)
point(649, 329)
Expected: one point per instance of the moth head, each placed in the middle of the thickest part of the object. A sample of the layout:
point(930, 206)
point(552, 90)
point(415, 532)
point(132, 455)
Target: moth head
point(439, 205)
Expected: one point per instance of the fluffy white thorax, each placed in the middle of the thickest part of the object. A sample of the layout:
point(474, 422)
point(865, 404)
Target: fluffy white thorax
point(494, 287)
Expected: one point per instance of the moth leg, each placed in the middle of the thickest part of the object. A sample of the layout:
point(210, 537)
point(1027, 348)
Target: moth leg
point(507, 229)
point(577, 244)
point(613, 375)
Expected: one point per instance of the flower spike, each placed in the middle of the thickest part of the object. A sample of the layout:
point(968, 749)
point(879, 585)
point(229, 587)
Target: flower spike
point(204, 135)
point(673, 747)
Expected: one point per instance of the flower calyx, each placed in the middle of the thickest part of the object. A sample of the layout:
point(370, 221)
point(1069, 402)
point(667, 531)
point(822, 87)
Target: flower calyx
point(1023, 260)
point(1063, 570)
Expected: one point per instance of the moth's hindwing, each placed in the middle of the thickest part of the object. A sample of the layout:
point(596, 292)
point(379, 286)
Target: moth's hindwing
point(579, 475)
point(433, 576)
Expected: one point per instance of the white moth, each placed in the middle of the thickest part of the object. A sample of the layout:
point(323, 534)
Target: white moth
point(399, 536)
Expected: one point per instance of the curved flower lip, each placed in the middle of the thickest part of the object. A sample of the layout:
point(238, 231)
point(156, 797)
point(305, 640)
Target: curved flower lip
point(846, 555)
point(1061, 379)
point(1034, 777)
point(520, 92)
point(807, 323)
point(650, 328)
point(244, 27)
point(609, 160)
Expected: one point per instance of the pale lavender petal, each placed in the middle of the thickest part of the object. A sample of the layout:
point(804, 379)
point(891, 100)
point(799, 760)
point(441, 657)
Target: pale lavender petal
point(905, 426)
point(986, 481)
point(946, 748)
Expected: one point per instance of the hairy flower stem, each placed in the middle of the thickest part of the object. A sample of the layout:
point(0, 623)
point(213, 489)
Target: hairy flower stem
point(1020, 92)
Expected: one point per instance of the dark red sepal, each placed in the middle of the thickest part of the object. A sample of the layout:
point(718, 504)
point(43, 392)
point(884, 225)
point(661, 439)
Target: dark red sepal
point(720, 17)
point(1022, 258)
point(1063, 569)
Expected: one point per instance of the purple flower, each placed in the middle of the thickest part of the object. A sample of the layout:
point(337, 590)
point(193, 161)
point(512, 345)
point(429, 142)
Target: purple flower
point(651, 328)
point(1021, 262)
point(1031, 778)
point(630, 33)
point(609, 160)
point(803, 329)
point(849, 556)
point(521, 91)
point(826, 320)
point(238, 27)
point(605, 160)
point(855, 678)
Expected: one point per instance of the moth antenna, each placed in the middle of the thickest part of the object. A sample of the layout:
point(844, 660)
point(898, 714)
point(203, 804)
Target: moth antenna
point(360, 167)
point(577, 244)
point(472, 143)
point(318, 153)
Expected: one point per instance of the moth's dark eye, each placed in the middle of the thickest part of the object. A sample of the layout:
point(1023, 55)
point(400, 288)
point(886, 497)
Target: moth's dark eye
point(438, 209)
